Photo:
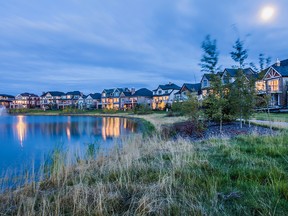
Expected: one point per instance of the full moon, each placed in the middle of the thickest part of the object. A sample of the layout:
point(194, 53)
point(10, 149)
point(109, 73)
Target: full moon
point(267, 13)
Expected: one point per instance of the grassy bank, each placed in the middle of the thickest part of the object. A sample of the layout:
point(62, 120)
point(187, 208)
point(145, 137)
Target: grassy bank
point(246, 175)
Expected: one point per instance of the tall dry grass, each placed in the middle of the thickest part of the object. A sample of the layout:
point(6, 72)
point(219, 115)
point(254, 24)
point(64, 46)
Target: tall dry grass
point(153, 176)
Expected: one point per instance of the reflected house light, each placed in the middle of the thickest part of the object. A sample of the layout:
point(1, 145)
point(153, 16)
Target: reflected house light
point(110, 127)
point(21, 129)
point(68, 128)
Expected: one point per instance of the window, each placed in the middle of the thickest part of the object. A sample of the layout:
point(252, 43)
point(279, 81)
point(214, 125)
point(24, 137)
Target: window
point(260, 86)
point(103, 94)
point(166, 92)
point(160, 92)
point(205, 83)
point(273, 85)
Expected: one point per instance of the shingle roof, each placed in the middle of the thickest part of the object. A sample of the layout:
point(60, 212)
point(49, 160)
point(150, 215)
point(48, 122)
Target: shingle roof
point(144, 92)
point(193, 87)
point(169, 86)
point(74, 93)
point(26, 94)
point(54, 93)
point(96, 96)
point(283, 68)
point(127, 94)
point(5, 95)
point(233, 72)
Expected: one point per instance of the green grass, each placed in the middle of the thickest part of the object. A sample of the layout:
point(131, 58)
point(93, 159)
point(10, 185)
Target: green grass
point(151, 176)
point(277, 117)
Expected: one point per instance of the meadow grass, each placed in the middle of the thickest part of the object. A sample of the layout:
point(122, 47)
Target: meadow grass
point(149, 175)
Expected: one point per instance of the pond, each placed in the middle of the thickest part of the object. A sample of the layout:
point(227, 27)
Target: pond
point(26, 140)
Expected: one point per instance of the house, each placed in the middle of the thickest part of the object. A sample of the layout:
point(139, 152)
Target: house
point(229, 75)
point(51, 99)
point(69, 99)
point(164, 95)
point(130, 99)
point(206, 84)
point(275, 83)
point(6, 100)
point(92, 101)
point(110, 98)
point(25, 100)
point(186, 89)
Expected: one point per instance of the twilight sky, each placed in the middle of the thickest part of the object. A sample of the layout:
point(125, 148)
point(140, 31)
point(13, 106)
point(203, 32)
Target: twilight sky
point(89, 45)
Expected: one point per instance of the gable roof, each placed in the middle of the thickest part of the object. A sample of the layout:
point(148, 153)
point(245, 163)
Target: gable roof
point(26, 94)
point(74, 93)
point(144, 92)
point(283, 68)
point(168, 86)
point(53, 93)
point(233, 71)
point(6, 95)
point(95, 96)
point(207, 76)
point(192, 87)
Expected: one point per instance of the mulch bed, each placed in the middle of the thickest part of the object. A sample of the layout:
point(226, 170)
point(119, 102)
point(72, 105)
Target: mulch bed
point(229, 130)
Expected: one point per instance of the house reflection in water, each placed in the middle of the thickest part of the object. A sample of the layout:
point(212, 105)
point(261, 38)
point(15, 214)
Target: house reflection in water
point(114, 127)
point(21, 129)
point(68, 128)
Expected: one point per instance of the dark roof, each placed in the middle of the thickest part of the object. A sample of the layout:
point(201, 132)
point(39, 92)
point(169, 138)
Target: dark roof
point(95, 96)
point(208, 76)
point(8, 96)
point(283, 68)
point(54, 93)
point(74, 93)
point(193, 87)
point(233, 71)
point(169, 86)
point(26, 94)
point(108, 91)
point(127, 94)
point(144, 92)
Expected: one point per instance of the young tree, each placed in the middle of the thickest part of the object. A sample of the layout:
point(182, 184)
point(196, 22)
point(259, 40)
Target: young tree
point(242, 96)
point(264, 62)
point(216, 102)
point(209, 58)
point(240, 54)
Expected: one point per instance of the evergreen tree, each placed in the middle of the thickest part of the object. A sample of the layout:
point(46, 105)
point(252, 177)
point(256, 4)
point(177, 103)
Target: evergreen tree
point(209, 59)
point(240, 54)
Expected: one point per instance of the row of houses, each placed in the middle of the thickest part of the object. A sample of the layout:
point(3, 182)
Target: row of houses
point(272, 81)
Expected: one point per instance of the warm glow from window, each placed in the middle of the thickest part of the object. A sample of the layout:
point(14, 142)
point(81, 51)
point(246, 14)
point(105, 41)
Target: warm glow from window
point(273, 85)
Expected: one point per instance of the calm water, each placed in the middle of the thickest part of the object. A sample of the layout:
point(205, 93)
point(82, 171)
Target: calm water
point(24, 139)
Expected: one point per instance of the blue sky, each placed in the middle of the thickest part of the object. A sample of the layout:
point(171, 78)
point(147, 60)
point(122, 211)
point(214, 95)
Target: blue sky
point(89, 45)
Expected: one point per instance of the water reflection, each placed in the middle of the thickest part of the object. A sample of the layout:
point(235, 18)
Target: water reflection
point(26, 137)
point(21, 129)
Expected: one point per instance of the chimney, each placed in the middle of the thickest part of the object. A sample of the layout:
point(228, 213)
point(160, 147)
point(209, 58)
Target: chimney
point(133, 91)
point(278, 62)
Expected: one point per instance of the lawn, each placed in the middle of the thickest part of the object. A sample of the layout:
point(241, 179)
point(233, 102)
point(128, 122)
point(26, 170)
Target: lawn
point(277, 117)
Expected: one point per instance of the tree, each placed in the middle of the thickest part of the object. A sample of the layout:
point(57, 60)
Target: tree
point(240, 54)
point(216, 103)
point(209, 59)
point(264, 62)
point(242, 96)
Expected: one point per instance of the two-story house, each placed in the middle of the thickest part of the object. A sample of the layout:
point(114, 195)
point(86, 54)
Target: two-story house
point(51, 99)
point(25, 100)
point(130, 99)
point(92, 101)
point(186, 89)
point(206, 84)
point(110, 98)
point(6, 100)
point(69, 99)
point(276, 83)
point(164, 95)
